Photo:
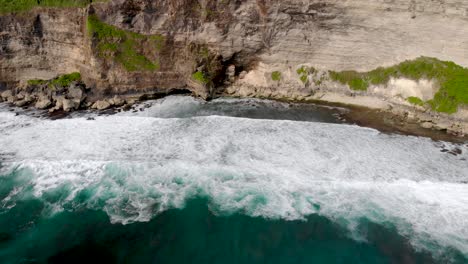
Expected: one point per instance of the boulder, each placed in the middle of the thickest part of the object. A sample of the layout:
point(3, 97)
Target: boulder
point(21, 103)
point(75, 93)
point(43, 102)
point(20, 96)
point(70, 105)
point(117, 101)
point(101, 105)
point(58, 102)
point(6, 94)
point(11, 99)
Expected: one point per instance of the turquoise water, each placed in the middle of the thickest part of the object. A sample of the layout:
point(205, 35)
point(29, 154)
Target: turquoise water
point(241, 181)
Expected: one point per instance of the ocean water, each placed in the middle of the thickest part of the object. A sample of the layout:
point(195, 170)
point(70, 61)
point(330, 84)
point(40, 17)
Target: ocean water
point(230, 181)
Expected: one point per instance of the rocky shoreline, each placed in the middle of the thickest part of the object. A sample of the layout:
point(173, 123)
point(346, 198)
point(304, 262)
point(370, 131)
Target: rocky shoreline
point(59, 100)
point(75, 95)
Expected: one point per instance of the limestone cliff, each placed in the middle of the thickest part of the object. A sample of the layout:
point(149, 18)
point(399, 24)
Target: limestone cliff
point(239, 47)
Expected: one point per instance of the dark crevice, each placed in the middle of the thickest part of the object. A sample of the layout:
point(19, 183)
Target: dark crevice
point(37, 27)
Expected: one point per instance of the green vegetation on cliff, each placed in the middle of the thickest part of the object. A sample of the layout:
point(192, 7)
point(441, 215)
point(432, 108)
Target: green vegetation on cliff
point(304, 73)
point(62, 80)
point(276, 76)
point(36, 82)
point(200, 77)
point(415, 100)
point(9, 6)
point(134, 51)
point(67, 79)
point(452, 78)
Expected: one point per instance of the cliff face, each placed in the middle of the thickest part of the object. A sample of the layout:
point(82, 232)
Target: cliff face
point(41, 44)
point(234, 46)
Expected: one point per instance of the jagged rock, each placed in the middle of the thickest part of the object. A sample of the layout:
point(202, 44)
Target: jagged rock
point(131, 101)
point(242, 74)
point(231, 73)
point(43, 102)
point(6, 94)
point(19, 96)
point(116, 101)
point(21, 103)
point(76, 93)
point(101, 105)
point(28, 98)
point(58, 102)
point(70, 105)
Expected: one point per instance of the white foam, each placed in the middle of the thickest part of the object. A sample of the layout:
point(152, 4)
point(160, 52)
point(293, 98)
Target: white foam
point(134, 167)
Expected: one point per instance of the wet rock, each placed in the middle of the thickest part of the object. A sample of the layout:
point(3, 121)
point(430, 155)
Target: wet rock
point(455, 151)
point(21, 103)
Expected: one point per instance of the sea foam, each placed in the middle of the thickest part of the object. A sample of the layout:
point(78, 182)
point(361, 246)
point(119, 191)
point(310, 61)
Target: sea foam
point(135, 166)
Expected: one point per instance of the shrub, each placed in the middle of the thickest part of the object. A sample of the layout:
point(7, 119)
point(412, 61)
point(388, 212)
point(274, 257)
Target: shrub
point(276, 76)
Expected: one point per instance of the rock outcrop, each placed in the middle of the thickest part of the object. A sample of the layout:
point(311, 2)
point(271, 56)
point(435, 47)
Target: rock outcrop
point(249, 48)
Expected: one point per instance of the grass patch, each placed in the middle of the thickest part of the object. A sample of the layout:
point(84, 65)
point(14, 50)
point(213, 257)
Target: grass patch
point(415, 100)
point(62, 80)
point(125, 47)
point(276, 76)
point(13, 6)
point(452, 78)
point(67, 79)
point(200, 77)
point(36, 82)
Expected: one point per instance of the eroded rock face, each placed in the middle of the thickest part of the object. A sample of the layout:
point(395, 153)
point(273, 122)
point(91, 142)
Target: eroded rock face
point(236, 45)
point(337, 35)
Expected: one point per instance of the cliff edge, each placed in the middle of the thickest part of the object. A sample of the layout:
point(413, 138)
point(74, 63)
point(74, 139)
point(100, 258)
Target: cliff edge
point(407, 57)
